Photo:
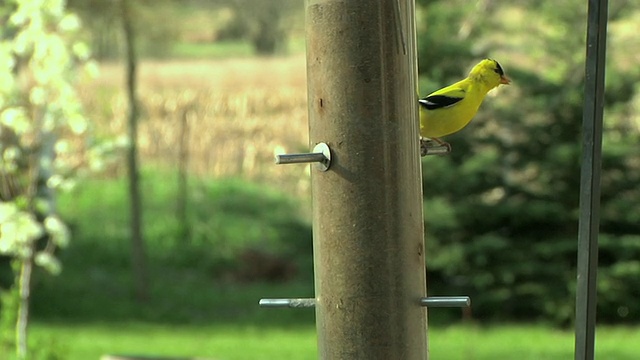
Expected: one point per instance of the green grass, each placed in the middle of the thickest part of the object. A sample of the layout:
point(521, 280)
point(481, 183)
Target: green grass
point(261, 341)
point(90, 341)
point(522, 342)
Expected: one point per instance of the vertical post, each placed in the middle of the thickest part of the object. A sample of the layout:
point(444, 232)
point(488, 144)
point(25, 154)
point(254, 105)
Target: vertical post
point(590, 180)
point(367, 208)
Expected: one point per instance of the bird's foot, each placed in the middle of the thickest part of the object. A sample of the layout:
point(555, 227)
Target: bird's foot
point(434, 146)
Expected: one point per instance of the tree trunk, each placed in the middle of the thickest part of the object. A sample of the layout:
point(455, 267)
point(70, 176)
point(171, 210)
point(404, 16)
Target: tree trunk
point(138, 252)
point(26, 266)
point(38, 190)
point(183, 186)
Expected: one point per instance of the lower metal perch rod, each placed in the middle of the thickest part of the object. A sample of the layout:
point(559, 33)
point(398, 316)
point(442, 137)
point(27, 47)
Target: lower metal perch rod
point(288, 303)
point(446, 301)
point(433, 301)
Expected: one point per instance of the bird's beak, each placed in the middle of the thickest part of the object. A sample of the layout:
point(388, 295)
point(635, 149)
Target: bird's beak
point(505, 80)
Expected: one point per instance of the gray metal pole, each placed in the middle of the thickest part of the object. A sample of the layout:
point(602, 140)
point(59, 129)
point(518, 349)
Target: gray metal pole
point(367, 208)
point(590, 180)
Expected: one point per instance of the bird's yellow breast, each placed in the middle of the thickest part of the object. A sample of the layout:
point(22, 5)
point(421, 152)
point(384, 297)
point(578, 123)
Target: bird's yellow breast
point(448, 120)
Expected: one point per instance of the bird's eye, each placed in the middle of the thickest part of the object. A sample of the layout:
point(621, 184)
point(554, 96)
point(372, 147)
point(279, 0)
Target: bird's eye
point(498, 69)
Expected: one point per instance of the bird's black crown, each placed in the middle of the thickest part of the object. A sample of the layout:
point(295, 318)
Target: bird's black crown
point(498, 68)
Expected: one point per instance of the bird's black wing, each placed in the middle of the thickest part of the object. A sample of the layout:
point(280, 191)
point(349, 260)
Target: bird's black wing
point(433, 102)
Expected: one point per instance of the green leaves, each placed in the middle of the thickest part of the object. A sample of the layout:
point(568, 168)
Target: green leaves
point(18, 229)
point(16, 119)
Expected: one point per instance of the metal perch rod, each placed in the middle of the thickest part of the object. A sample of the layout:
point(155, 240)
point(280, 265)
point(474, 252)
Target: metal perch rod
point(433, 302)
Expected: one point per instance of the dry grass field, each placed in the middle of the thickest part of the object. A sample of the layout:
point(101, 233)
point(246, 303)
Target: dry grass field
point(230, 114)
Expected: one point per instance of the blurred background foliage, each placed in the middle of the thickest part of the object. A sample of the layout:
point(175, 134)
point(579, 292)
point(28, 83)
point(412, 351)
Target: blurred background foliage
point(501, 210)
point(256, 27)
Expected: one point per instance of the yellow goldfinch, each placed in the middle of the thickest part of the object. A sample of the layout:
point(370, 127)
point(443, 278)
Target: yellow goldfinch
point(450, 109)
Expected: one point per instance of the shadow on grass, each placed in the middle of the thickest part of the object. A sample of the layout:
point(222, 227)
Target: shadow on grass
point(178, 296)
point(191, 279)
